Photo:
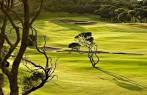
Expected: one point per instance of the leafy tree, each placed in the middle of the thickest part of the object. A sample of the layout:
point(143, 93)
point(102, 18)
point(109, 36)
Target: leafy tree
point(106, 11)
point(76, 6)
point(141, 14)
point(86, 39)
point(124, 17)
point(74, 46)
point(117, 12)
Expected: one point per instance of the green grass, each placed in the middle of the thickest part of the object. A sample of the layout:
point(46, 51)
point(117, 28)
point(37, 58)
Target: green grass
point(77, 77)
point(112, 37)
point(74, 71)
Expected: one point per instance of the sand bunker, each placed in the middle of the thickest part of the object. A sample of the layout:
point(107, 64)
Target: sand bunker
point(79, 22)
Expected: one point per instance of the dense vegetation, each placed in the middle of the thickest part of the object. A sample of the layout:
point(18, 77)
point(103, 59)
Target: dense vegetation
point(111, 10)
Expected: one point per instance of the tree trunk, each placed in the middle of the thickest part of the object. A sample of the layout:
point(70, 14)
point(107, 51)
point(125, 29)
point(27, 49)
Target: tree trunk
point(1, 42)
point(26, 22)
point(1, 91)
point(2, 33)
point(14, 85)
point(14, 80)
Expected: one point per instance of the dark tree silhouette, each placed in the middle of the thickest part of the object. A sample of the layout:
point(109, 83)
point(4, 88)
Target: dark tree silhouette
point(74, 46)
point(86, 39)
point(22, 26)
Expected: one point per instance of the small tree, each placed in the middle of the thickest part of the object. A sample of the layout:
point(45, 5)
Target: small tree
point(22, 27)
point(74, 46)
point(86, 39)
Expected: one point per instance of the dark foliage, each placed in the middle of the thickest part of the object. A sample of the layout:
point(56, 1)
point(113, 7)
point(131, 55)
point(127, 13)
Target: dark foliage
point(74, 46)
point(85, 39)
point(110, 10)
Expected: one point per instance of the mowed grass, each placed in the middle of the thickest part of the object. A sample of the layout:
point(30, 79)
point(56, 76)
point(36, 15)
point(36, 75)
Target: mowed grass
point(118, 74)
point(109, 36)
point(75, 76)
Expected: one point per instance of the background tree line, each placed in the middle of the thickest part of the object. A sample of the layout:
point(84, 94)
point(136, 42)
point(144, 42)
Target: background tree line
point(111, 10)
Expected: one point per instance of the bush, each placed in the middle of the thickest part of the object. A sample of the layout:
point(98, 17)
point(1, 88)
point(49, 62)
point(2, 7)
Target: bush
point(106, 11)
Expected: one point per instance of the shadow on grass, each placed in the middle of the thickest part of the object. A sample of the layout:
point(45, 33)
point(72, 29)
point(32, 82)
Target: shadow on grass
point(123, 81)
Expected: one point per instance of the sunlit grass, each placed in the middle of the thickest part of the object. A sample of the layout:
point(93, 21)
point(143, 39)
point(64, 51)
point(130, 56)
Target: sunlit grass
point(75, 75)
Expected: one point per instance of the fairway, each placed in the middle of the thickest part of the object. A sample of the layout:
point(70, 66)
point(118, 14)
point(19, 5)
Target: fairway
point(119, 74)
point(73, 47)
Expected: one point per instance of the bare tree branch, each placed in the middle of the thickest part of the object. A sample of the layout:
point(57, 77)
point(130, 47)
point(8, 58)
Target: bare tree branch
point(37, 13)
point(48, 71)
point(86, 40)
point(6, 6)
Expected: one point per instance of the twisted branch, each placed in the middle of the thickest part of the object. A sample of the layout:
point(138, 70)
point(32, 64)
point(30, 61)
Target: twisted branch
point(47, 70)
point(92, 47)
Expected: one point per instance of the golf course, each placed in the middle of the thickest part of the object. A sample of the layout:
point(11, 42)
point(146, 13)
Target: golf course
point(73, 47)
point(117, 74)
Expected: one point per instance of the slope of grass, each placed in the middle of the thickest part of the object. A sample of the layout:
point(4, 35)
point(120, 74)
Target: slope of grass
point(117, 37)
point(75, 74)
point(118, 74)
